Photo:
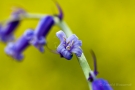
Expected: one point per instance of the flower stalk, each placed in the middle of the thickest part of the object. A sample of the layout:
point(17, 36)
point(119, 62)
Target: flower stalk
point(82, 60)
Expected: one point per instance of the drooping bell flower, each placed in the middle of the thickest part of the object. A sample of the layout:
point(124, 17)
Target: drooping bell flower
point(101, 84)
point(68, 45)
point(98, 83)
point(36, 38)
point(41, 32)
point(43, 28)
point(16, 49)
point(6, 32)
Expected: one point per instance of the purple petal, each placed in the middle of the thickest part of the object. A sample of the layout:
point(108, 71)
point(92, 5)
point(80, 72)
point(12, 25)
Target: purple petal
point(77, 50)
point(7, 38)
point(11, 50)
point(78, 43)
point(15, 50)
point(61, 35)
point(59, 48)
point(17, 12)
point(66, 54)
point(10, 27)
point(18, 57)
point(41, 49)
point(29, 34)
point(6, 33)
point(101, 84)
point(72, 38)
point(38, 43)
point(44, 26)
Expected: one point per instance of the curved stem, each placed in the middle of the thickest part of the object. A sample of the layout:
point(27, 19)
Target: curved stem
point(82, 60)
point(26, 16)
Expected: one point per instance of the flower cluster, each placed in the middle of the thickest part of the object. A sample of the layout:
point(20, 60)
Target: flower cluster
point(30, 37)
point(37, 38)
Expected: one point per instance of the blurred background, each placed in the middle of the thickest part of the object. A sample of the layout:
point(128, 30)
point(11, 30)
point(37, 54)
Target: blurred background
point(106, 26)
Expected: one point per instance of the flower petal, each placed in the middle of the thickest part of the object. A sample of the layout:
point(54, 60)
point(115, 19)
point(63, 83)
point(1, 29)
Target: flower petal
point(67, 54)
point(101, 84)
point(59, 48)
point(63, 52)
point(78, 43)
point(61, 35)
point(77, 51)
point(72, 38)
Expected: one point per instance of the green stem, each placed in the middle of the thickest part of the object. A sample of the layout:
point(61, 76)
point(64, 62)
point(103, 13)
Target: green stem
point(82, 60)
point(25, 16)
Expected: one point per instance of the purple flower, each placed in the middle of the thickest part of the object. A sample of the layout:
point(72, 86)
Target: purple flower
point(36, 38)
point(15, 49)
point(69, 45)
point(101, 84)
point(6, 32)
point(17, 12)
point(43, 28)
point(41, 32)
point(97, 84)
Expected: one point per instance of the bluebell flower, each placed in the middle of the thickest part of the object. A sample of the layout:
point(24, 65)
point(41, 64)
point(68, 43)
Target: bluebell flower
point(6, 32)
point(98, 83)
point(41, 32)
point(101, 84)
point(69, 45)
point(43, 28)
point(36, 38)
point(15, 49)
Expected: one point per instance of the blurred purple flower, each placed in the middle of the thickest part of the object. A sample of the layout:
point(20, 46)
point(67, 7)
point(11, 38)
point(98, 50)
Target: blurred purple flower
point(43, 28)
point(97, 84)
point(36, 38)
point(6, 32)
point(41, 32)
point(69, 45)
point(17, 12)
point(101, 84)
point(15, 49)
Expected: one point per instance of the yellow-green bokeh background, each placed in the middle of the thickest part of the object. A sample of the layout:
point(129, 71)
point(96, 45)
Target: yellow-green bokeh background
point(106, 26)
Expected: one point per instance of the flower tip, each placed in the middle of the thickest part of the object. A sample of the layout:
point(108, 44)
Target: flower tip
point(38, 43)
point(29, 32)
point(61, 35)
point(69, 57)
point(41, 49)
point(101, 84)
point(17, 11)
point(10, 51)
